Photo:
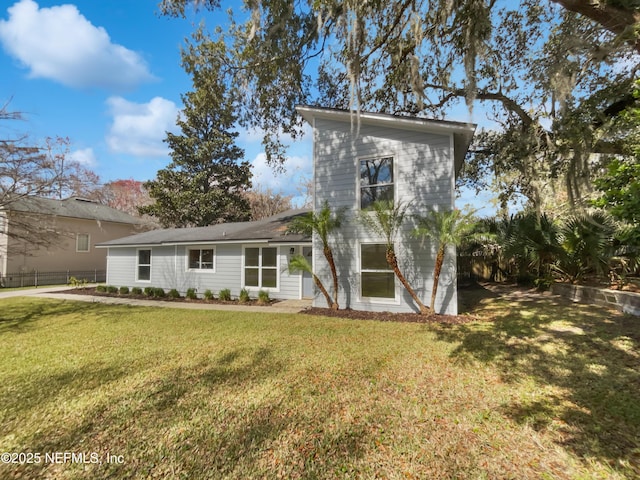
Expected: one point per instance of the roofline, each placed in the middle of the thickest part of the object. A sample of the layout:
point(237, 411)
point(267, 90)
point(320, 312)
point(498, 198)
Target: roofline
point(204, 242)
point(397, 121)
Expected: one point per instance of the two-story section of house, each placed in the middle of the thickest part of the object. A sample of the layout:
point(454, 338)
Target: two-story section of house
point(364, 157)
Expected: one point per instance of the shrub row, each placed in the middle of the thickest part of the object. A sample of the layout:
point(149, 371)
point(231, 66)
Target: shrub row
point(191, 294)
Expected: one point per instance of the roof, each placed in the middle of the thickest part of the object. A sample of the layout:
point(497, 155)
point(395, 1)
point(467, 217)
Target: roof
point(74, 207)
point(271, 230)
point(462, 132)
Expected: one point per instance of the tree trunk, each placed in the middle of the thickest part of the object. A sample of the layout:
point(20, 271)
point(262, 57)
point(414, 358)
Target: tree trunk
point(328, 254)
point(436, 276)
point(392, 260)
point(332, 305)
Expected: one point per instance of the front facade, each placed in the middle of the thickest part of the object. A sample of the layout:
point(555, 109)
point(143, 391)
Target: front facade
point(48, 235)
point(355, 162)
point(244, 255)
point(402, 160)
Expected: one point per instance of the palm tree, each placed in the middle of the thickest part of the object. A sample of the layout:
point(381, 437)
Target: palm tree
point(385, 219)
point(588, 244)
point(299, 263)
point(449, 227)
point(322, 223)
point(535, 241)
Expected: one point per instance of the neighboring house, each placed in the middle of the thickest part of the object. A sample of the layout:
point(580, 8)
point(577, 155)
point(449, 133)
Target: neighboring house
point(356, 160)
point(251, 255)
point(47, 235)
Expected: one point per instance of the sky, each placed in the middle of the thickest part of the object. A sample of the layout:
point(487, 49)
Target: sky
point(107, 75)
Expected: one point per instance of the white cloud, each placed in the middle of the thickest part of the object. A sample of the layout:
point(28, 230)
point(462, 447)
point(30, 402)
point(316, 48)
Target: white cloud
point(139, 128)
point(85, 157)
point(296, 171)
point(60, 44)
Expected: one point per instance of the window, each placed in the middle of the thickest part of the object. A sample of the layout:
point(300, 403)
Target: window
point(377, 280)
point(144, 265)
point(261, 267)
point(82, 242)
point(376, 181)
point(201, 259)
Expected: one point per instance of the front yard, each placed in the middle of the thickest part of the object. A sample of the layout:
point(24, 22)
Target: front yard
point(540, 389)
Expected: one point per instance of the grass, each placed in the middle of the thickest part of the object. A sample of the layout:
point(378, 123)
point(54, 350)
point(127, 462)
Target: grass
point(541, 390)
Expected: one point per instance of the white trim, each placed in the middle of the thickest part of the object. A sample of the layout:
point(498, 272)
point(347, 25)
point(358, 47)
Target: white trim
point(375, 300)
point(88, 250)
point(138, 265)
point(200, 249)
point(253, 288)
point(386, 120)
point(394, 173)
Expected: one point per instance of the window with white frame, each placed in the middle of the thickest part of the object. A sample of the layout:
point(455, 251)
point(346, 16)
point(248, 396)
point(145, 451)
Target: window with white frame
point(376, 181)
point(144, 265)
point(377, 279)
point(261, 267)
point(82, 242)
point(201, 259)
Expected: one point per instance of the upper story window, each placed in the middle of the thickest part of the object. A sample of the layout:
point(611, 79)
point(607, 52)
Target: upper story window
point(376, 181)
point(144, 265)
point(82, 242)
point(201, 259)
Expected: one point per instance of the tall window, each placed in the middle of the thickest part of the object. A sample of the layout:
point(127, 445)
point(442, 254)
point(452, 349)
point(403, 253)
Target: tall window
point(144, 265)
point(376, 181)
point(376, 277)
point(261, 267)
point(201, 259)
point(82, 242)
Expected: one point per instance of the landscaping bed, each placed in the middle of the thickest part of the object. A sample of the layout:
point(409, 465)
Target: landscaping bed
point(166, 297)
point(389, 316)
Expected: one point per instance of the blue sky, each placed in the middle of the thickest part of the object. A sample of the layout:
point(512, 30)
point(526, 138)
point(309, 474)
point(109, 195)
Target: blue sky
point(107, 75)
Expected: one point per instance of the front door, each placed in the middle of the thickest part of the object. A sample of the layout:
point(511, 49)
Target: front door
point(307, 279)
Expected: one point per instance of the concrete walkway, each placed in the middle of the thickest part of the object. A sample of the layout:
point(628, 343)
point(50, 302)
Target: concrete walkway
point(285, 306)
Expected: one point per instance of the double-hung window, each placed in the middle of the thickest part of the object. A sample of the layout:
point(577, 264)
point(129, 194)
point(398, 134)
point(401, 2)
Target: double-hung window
point(201, 259)
point(261, 267)
point(376, 277)
point(143, 270)
point(82, 242)
point(376, 181)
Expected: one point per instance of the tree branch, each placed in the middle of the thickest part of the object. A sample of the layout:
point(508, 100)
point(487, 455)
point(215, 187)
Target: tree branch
point(621, 21)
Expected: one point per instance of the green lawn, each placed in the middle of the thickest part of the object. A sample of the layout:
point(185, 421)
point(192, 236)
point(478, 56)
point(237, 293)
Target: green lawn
point(541, 390)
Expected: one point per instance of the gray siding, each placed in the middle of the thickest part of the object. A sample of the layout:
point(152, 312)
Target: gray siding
point(169, 269)
point(423, 177)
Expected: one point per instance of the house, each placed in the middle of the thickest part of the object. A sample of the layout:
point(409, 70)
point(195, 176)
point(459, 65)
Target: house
point(356, 160)
point(46, 235)
point(251, 255)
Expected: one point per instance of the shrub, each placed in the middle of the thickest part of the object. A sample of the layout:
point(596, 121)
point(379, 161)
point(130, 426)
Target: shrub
point(148, 291)
point(112, 289)
point(124, 290)
point(159, 292)
point(191, 294)
point(263, 297)
point(244, 296)
point(225, 294)
point(77, 283)
point(101, 288)
point(136, 291)
point(208, 295)
point(174, 293)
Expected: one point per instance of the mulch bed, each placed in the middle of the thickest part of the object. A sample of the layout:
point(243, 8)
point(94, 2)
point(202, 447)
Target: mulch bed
point(390, 316)
point(92, 291)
